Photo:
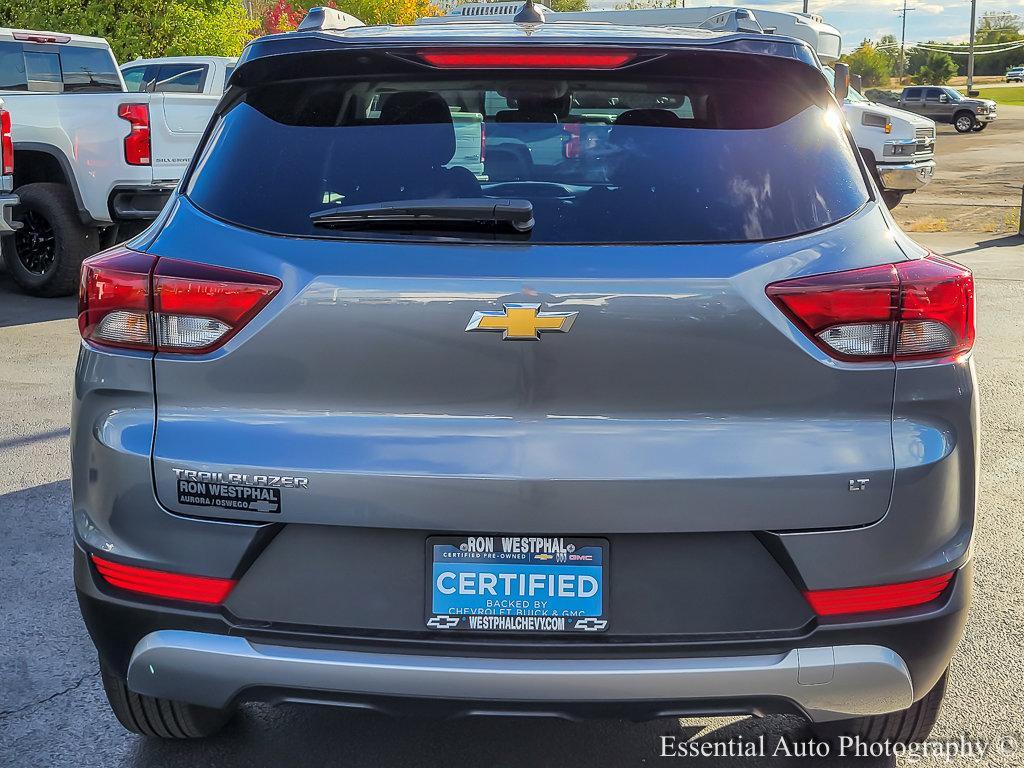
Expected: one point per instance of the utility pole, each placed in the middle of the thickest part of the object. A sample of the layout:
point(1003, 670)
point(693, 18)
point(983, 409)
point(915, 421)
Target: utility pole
point(903, 40)
point(970, 56)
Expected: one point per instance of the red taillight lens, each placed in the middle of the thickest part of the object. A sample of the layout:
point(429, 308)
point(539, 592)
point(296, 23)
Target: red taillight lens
point(175, 586)
point(571, 149)
point(6, 144)
point(912, 310)
point(527, 58)
point(834, 602)
point(132, 300)
point(35, 37)
point(199, 307)
point(136, 143)
point(114, 299)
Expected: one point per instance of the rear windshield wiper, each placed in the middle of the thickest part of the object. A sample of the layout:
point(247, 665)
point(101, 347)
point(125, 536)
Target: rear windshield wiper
point(460, 211)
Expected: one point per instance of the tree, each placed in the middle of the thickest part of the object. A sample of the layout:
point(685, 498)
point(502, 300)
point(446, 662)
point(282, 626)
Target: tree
point(937, 69)
point(889, 47)
point(871, 64)
point(998, 27)
point(566, 5)
point(141, 27)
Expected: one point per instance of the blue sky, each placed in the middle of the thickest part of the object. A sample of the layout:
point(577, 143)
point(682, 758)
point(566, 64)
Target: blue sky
point(859, 19)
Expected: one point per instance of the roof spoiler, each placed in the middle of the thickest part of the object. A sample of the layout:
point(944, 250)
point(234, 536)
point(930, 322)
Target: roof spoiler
point(736, 20)
point(328, 20)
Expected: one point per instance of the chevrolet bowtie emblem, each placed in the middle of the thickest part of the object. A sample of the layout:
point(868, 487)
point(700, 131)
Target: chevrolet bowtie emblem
point(522, 321)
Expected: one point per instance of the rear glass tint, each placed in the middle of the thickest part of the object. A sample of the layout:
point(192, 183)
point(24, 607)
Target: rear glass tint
point(622, 159)
point(56, 68)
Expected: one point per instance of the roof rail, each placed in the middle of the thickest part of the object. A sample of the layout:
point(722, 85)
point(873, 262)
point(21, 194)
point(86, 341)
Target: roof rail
point(735, 20)
point(328, 19)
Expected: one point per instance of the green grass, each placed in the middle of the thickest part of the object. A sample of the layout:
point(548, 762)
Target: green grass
point(1013, 96)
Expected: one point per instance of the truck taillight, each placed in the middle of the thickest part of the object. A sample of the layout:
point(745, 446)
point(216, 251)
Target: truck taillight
point(6, 144)
point(133, 300)
point(913, 310)
point(136, 143)
point(571, 149)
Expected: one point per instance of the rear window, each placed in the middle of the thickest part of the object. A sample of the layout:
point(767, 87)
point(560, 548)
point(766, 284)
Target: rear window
point(622, 157)
point(57, 67)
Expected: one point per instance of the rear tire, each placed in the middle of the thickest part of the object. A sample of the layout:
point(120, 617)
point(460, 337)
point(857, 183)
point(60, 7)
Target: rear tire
point(160, 718)
point(910, 726)
point(892, 199)
point(47, 251)
point(964, 122)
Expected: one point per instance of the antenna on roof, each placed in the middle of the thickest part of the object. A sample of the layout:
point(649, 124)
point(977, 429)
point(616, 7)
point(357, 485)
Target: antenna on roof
point(529, 14)
point(328, 19)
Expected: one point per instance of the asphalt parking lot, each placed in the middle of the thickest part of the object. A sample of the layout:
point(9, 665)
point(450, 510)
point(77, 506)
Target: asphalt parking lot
point(53, 712)
point(977, 183)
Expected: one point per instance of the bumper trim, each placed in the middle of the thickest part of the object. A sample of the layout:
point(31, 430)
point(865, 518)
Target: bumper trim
point(7, 223)
point(826, 683)
point(905, 175)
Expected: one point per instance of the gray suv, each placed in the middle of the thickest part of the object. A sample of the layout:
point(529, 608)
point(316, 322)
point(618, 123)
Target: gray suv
point(947, 105)
point(683, 425)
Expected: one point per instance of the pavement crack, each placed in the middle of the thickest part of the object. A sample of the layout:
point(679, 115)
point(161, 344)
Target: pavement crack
point(33, 704)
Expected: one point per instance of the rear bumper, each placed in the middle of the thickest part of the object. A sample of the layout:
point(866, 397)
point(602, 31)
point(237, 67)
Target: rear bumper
point(824, 683)
point(906, 176)
point(832, 669)
point(139, 203)
point(7, 203)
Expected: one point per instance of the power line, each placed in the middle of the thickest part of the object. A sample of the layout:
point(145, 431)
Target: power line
point(903, 40)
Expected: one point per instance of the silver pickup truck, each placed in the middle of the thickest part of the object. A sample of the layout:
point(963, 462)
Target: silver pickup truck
point(947, 105)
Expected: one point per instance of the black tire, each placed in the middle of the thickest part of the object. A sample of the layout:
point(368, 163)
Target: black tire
point(964, 121)
point(892, 198)
point(49, 247)
point(160, 718)
point(979, 127)
point(911, 726)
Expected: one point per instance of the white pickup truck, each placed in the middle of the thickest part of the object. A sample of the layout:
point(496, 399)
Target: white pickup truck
point(93, 163)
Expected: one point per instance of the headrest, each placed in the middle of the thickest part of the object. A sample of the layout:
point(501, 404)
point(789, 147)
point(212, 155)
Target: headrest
point(520, 116)
point(433, 146)
point(653, 118)
point(409, 107)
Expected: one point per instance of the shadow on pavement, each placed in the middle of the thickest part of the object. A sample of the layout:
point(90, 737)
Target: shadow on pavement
point(1005, 241)
point(297, 735)
point(18, 308)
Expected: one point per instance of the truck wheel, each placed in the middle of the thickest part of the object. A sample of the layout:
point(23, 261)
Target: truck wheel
point(162, 718)
point(51, 243)
point(963, 122)
point(979, 127)
point(910, 726)
point(892, 198)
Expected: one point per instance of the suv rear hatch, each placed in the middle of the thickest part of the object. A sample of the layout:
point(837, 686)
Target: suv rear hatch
point(371, 391)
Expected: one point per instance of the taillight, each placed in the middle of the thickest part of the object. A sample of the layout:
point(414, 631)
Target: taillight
point(526, 58)
point(908, 311)
point(834, 602)
point(136, 143)
point(175, 586)
point(132, 300)
point(6, 144)
point(36, 37)
point(114, 299)
point(198, 307)
point(572, 146)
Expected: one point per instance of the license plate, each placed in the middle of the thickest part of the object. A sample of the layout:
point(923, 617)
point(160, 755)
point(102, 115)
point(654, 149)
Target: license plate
point(517, 584)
